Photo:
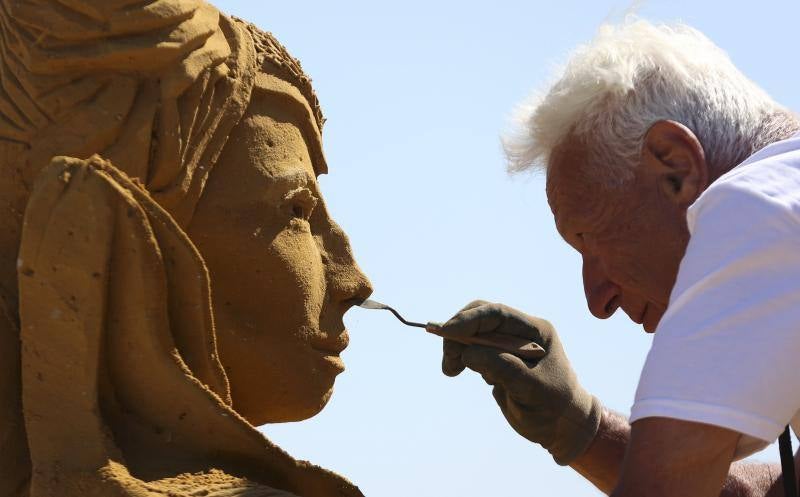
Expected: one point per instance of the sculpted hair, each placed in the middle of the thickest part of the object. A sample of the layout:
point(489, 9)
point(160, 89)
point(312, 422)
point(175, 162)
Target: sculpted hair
point(632, 75)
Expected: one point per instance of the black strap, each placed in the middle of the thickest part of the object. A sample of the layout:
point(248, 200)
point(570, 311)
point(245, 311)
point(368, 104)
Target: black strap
point(787, 464)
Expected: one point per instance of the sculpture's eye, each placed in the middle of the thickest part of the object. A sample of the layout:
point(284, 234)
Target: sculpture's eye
point(300, 203)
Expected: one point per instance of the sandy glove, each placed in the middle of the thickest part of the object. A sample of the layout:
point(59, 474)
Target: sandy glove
point(542, 400)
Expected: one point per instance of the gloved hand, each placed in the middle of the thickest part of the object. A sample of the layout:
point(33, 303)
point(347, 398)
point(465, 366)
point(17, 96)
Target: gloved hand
point(542, 400)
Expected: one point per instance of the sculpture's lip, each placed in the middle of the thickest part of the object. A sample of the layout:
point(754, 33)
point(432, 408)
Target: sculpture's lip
point(330, 344)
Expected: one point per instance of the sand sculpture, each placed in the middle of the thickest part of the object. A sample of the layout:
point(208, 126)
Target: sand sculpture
point(159, 157)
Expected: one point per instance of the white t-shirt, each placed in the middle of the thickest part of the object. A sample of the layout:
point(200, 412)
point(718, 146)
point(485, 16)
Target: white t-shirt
point(727, 350)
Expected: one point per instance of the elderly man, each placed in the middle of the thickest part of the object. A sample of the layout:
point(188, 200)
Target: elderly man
point(678, 181)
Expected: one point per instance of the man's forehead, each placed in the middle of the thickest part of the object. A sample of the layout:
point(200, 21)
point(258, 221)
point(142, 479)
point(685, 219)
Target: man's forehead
point(550, 187)
point(571, 193)
point(558, 194)
point(564, 168)
point(552, 177)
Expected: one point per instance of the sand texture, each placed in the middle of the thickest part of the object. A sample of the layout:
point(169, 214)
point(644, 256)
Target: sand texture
point(170, 277)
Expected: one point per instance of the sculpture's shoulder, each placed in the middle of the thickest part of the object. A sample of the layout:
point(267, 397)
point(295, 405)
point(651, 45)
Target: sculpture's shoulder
point(213, 483)
point(115, 480)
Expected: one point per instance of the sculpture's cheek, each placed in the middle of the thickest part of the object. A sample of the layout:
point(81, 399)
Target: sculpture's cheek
point(294, 261)
point(268, 292)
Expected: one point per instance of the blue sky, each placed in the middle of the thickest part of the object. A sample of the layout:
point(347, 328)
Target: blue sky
point(416, 94)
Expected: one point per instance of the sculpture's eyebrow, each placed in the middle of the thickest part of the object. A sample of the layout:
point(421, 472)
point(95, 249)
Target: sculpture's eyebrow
point(294, 177)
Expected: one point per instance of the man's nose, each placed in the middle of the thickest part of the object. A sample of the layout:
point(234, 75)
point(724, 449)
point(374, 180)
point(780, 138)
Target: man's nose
point(602, 295)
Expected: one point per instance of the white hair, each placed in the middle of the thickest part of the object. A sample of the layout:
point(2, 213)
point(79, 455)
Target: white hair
point(633, 75)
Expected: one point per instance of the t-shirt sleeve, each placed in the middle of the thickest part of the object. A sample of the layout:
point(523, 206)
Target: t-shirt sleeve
point(727, 351)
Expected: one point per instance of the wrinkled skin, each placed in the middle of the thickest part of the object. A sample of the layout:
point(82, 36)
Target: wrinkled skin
point(633, 238)
point(282, 271)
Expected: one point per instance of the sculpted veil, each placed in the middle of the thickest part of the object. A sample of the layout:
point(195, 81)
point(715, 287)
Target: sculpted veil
point(113, 116)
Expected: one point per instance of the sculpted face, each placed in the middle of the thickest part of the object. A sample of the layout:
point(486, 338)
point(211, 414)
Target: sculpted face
point(631, 239)
point(282, 272)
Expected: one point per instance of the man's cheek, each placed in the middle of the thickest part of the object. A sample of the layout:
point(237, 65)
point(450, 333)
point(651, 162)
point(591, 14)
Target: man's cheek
point(631, 270)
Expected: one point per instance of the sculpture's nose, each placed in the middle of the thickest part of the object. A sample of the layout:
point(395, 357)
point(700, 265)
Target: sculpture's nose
point(361, 291)
point(347, 284)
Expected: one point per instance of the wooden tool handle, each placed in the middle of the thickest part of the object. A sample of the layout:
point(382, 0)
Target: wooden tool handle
point(520, 347)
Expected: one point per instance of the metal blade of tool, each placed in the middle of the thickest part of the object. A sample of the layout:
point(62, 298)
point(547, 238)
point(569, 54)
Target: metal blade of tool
point(520, 347)
point(373, 304)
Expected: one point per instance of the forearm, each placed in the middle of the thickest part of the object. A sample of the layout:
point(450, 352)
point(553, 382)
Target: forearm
point(601, 464)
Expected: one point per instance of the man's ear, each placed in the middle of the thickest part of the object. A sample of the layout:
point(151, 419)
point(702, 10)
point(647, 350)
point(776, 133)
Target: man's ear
point(672, 153)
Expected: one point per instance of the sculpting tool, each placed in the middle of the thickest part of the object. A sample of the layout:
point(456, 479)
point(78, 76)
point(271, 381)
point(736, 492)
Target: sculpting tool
point(520, 347)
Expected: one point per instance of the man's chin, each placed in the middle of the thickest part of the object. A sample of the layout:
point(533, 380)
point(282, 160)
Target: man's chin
point(651, 319)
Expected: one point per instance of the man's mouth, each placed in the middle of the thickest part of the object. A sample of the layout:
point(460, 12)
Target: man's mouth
point(641, 318)
point(636, 318)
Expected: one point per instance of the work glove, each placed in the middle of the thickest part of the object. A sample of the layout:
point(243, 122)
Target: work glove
point(541, 399)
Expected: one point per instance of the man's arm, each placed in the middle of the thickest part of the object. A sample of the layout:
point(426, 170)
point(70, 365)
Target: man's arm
point(591, 439)
point(602, 463)
point(672, 458)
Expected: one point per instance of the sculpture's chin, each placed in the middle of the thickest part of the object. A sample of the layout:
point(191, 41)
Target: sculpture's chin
point(298, 406)
point(285, 416)
point(323, 401)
